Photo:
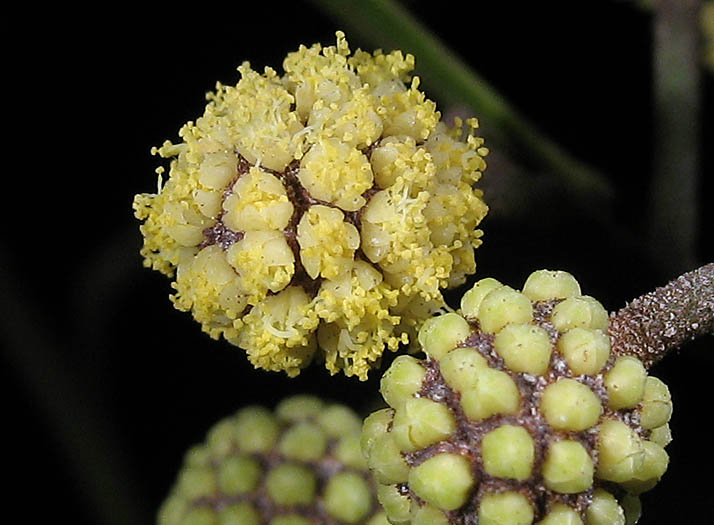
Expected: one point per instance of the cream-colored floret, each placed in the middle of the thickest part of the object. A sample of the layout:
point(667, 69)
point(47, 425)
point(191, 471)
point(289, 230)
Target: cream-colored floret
point(327, 242)
point(278, 332)
point(258, 201)
point(208, 286)
point(264, 261)
point(255, 117)
point(335, 172)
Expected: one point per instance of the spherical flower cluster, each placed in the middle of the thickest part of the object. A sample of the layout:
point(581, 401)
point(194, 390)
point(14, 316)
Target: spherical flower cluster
point(325, 208)
point(521, 413)
point(298, 465)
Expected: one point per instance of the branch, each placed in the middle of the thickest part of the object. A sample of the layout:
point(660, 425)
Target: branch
point(661, 321)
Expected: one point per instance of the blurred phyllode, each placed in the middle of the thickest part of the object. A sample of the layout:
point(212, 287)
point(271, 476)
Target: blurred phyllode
point(521, 413)
point(318, 213)
point(297, 465)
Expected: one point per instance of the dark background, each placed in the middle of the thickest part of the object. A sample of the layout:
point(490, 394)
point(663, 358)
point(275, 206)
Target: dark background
point(105, 385)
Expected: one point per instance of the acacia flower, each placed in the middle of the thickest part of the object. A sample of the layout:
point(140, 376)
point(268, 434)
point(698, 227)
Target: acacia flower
point(318, 213)
point(296, 465)
point(533, 405)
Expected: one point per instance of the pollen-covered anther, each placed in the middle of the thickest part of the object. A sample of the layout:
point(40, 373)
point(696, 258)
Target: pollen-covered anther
point(520, 412)
point(337, 179)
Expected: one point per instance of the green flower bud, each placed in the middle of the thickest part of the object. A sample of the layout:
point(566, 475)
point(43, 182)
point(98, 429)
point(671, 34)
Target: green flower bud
point(543, 285)
point(625, 382)
point(402, 380)
point(428, 515)
point(348, 497)
point(290, 519)
point(524, 348)
point(568, 467)
point(256, 430)
point(604, 510)
point(494, 393)
point(508, 452)
point(239, 514)
point(238, 474)
point(504, 508)
point(394, 503)
point(586, 351)
point(444, 480)
point(656, 405)
point(504, 306)
point(291, 484)
point(305, 441)
point(386, 461)
point(471, 300)
point(440, 334)
point(561, 515)
point(420, 423)
point(570, 405)
point(202, 515)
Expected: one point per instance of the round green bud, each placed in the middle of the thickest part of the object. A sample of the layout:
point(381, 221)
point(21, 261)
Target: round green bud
point(385, 460)
point(348, 497)
point(440, 334)
point(586, 351)
point(200, 515)
point(661, 435)
point(570, 405)
point(471, 300)
point(632, 506)
point(568, 468)
point(348, 451)
point(656, 405)
point(421, 422)
point(604, 510)
point(460, 367)
point(197, 456)
point(256, 430)
point(428, 515)
point(238, 475)
point(504, 306)
point(401, 380)
point(375, 425)
point(524, 348)
point(239, 514)
point(395, 504)
point(220, 437)
point(580, 312)
point(299, 407)
point(494, 393)
point(504, 508)
point(652, 469)
point(290, 519)
point(444, 480)
point(339, 420)
point(171, 510)
point(544, 285)
point(620, 452)
point(380, 518)
point(561, 514)
point(304, 441)
point(625, 382)
point(197, 482)
point(291, 484)
point(508, 452)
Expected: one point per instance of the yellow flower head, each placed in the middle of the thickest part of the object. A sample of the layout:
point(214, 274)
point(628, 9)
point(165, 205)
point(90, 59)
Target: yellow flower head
point(317, 214)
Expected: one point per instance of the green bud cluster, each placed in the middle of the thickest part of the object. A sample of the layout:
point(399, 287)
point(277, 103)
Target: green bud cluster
point(297, 465)
point(520, 413)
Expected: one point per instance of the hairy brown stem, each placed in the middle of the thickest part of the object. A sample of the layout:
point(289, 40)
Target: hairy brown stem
point(656, 323)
